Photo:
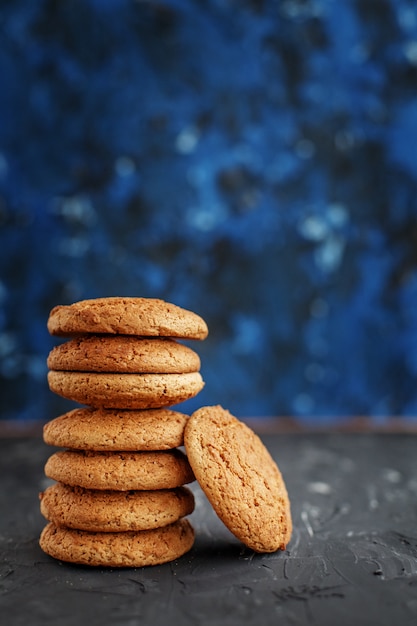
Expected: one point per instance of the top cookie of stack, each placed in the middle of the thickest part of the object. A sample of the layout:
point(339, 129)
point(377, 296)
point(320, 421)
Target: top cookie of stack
point(124, 353)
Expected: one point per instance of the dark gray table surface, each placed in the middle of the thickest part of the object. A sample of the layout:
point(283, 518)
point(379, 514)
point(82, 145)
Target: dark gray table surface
point(352, 558)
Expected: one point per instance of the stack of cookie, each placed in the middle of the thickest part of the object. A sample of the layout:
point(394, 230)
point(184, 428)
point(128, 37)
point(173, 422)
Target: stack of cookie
point(120, 498)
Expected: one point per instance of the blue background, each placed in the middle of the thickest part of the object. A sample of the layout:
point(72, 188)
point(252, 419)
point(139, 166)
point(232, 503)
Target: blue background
point(252, 161)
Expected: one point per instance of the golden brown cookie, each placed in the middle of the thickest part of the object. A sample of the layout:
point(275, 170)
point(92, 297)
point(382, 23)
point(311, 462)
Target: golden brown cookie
point(113, 511)
point(107, 430)
point(124, 354)
point(125, 391)
point(121, 471)
point(240, 478)
point(120, 549)
point(147, 317)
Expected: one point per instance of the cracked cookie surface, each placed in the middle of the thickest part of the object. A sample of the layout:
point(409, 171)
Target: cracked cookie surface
point(149, 317)
point(125, 391)
point(121, 471)
point(119, 549)
point(123, 353)
point(240, 478)
point(117, 430)
point(114, 511)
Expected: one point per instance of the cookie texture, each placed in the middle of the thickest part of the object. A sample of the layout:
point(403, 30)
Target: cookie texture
point(117, 430)
point(125, 391)
point(121, 471)
point(240, 478)
point(148, 317)
point(119, 549)
point(114, 511)
point(124, 353)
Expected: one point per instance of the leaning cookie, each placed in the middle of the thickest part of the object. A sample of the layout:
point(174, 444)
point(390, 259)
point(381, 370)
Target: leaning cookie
point(121, 471)
point(239, 478)
point(124, 354)
point(113, 430)
point(147, 317)
point(119, 549)
point(113, 511)
point(125, 391)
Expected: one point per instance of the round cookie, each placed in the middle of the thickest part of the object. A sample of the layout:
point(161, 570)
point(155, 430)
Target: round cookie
point(114, 511)
point(148, 317)
point(125, 391)
point(124, 353)
point(113, 430)
point(120, 549)
point(121, 471)
point(239, 478)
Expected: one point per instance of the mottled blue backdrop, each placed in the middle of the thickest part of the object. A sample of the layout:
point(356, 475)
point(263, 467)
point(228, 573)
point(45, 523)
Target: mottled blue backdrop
point(253, 161)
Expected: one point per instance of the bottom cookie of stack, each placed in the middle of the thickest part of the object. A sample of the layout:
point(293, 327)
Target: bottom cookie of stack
point(118, 549)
